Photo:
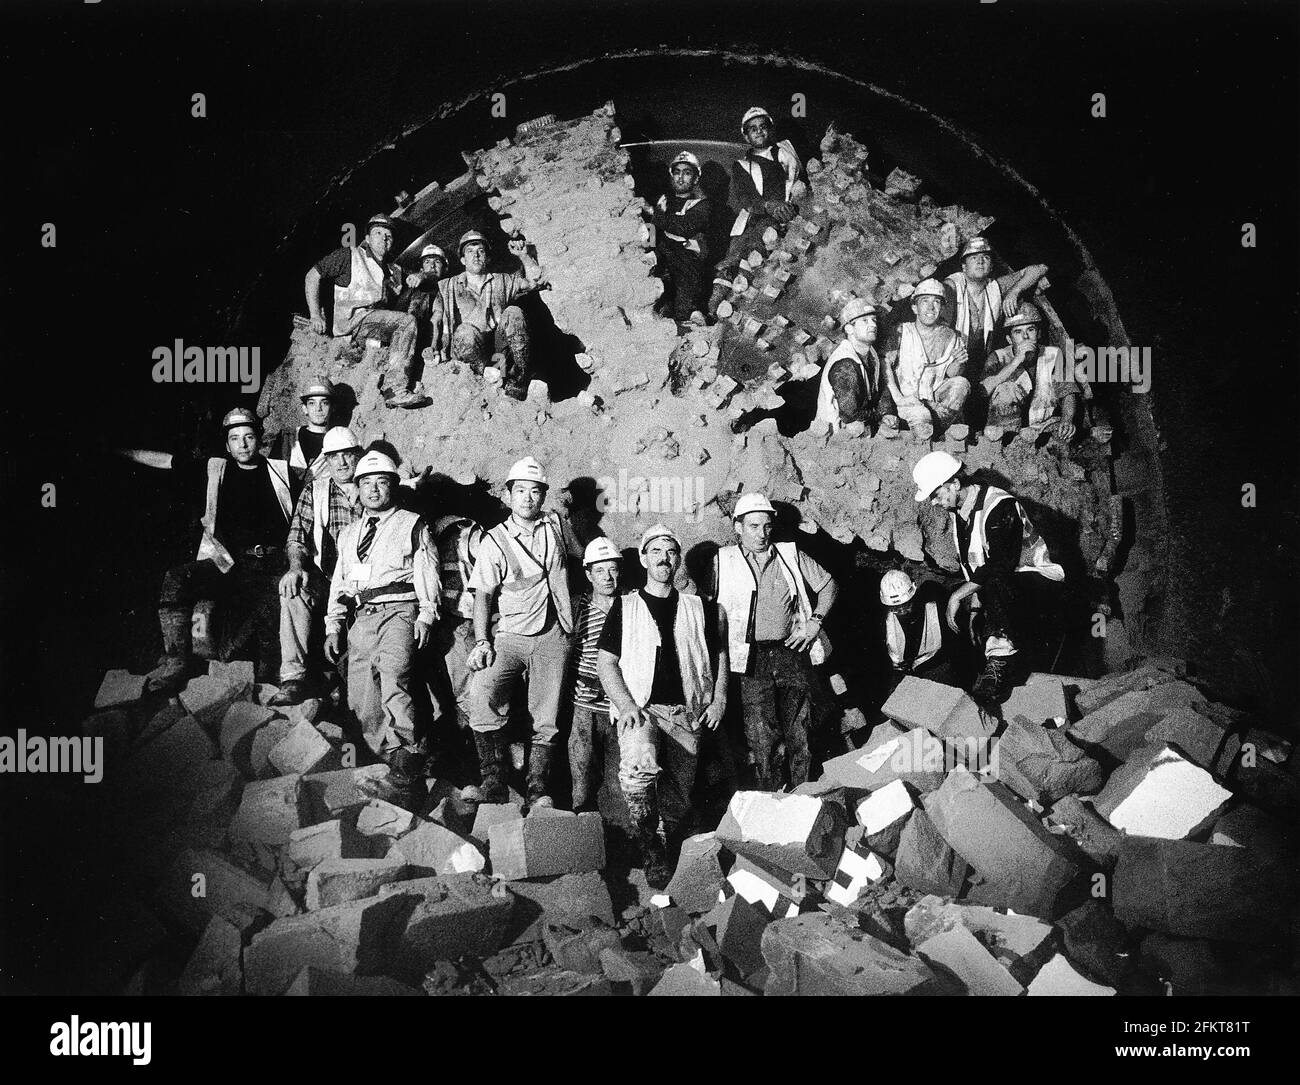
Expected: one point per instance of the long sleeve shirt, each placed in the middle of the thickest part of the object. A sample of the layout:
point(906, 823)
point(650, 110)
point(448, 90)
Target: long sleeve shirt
point(344, 508)
point(682, 219)
point(402, 557)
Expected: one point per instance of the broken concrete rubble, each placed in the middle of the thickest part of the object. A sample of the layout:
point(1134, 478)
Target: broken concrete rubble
point(797, 833)
point(540, 847)
point(944, 711)
point(891, 753)
point(958, 952)
point(926, 862)
point(1059, 977)
point(699, 876)
point(335, 881)
point(1159, 793)
point(1042, 764)
point(448, 917)
point(431, 848)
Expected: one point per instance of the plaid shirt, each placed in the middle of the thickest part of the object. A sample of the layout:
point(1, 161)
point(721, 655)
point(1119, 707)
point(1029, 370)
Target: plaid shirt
point(302, 527)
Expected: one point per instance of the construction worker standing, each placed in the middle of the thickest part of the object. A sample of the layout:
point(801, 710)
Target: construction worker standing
point(1010, 575)
point(663, 663)
point(924, 365)
point(302, 447)
point(915, 637)
point(602, 563)
point(325, 507)
point(385, 590)
point(979, 302)
point(241, 554)
point(681, 219)
point(1024, 385)
point(458, 539)
point(767, 590)
point(853, 387)
point(521, 580)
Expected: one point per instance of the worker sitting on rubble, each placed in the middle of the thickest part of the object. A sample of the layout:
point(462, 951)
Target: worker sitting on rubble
point(420, 298)
point(924, 363)
point(979, 302)
point(591, 728)
point(521, 580)
point(1012, 585)
point(681, 219)
point(365, 286)
point(767, 590)
point(663, 664)
point(1024, 385)
point(325, 507)
point(241, 554)
point(302, 447)
point(762, 185)
point(853, 387)
point(915, 637)
point(385, 590)
point(480, 315)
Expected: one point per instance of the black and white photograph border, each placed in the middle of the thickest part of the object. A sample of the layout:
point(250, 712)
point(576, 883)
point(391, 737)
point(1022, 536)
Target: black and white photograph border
point(387, 367)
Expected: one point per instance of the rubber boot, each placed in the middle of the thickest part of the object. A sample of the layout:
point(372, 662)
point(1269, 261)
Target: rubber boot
point(169, 675)
point(644, 811)
point(407, 765)
point(539, 772)
point(491, 766)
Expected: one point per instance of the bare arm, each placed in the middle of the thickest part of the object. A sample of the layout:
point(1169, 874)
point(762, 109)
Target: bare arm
point(1027, 279)
point(148, 458)
point(311, 288)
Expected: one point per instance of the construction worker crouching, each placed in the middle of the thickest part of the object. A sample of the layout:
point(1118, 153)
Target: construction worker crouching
point(521, 579)
point(591, 727)
point(302, 447)
point(241, 553)
point(681, 219)
point(915, 638)
point(385, 590)
point(1010, 575)
point(980, 302)
point(1024, 385)
point(421, 299)
point(767, 589)
point(853, 387)
point(663, 663)
point(327, 505)
point(924, 365)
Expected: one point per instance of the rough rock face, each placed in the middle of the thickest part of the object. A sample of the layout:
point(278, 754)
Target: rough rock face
point(651, 436)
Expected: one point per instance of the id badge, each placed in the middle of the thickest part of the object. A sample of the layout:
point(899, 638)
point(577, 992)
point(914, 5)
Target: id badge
point(360, 574)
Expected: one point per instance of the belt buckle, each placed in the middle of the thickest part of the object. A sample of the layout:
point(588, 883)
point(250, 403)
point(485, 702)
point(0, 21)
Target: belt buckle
point(259, 551)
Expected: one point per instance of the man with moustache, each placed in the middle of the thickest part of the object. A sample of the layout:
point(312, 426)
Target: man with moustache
point(924, 365)
point(979, 302)
point(853, 386)
point(681, 219)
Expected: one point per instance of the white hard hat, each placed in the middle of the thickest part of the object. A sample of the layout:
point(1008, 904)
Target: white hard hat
point(659, 531)
point(317, 386)
point(752, 502)
point(600, 549)
point(376, 463)
point(896, 588)
point(932, 470)
point(526, 470)
point(337, 439)
point(857, 307)
point(930, 287)
point(752, 112)
point(240, 416)
point(432, 250)
point(690, 160)
point(1028, 313)
point(975, 246)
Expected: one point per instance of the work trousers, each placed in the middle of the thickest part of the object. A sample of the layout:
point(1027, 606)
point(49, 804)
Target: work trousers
point(398, 330)
point(688, 274)
point(589, 734)
point(475, 346)
point(453, 640)
point(381, 664)
point(300, 626)
point(1025, 609)
point(777, 697)
point(947, 405)
point(745, 242)
point(665, 750)
point(248, 593)
point(540, 661)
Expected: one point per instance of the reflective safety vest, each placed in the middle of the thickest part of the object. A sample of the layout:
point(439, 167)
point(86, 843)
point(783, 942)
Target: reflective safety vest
point(785, 157)
point(320, 516)
point(210, 547)
point(992, 305)
point(363, 292)
point(738, 597)
point(298, 460)
point(908, 656)
point(458, 539)
point(828, 407)
point(525, 575)
point(1034, 556)
point(641, 646)
point(917, 375)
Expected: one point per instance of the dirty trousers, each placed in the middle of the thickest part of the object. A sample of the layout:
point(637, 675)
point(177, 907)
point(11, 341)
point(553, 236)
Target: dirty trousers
point(381, 663)
point(398, 330)
point(475, 346)
point(949, 400)
point(590, 732)
point(745, 242)
point(300, 623)
point(248, 594)
point(687, 271)
point(449, 682)
point(777, 698)
point(540, 661)
point(667, 750)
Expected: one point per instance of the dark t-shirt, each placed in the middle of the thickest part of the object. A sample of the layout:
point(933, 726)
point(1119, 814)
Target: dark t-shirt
point(310, 442)
point(248, 513)
point(667, 685)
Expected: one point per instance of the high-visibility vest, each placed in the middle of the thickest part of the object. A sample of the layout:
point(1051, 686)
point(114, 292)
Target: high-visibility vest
point(992, 305)
point(364, 291)
point(787, 159)
point(828, 407)
point(917, 374)
point(641, 648)
point(907, 657)
point(298, 459)
point(1034, 555)
point(524, 573)
point(458, 540)
point(1041, 386)
point(738, 597)
point(210, 547)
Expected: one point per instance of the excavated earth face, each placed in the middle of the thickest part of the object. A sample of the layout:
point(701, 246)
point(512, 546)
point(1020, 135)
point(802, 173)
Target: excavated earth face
point(652, 437)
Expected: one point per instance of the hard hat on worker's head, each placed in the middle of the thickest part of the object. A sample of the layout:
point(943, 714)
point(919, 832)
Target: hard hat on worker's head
point(752, 502)
point(317, 386)
point(659, 531)
point(1028, 313)
point(687, 158)
point(241, 416)
point(928, 288)
point(975, 246)
point(752, 112)
point(855, 308)
point(600, 549)
point(339, 439)
point(932, 470)
point(380, 222)
point(433, 250)
point(375, 463)
point(896, 588)
point(526, 470)
point(467, 237)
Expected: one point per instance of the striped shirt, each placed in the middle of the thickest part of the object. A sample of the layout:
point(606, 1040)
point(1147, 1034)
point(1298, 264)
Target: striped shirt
point(589, 621)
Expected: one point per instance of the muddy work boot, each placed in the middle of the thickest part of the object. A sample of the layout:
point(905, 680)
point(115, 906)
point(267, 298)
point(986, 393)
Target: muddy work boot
point(492, 769)
point(169, 675)
point(407, 766)
point(411, 399)
point(644, 811)
point(292, 691)
point(539, 771)
point(995, 680)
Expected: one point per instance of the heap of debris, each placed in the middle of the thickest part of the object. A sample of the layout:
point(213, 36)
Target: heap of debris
point(1122, 835)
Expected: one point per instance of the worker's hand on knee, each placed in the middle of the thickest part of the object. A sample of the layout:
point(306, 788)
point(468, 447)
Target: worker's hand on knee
point(423, 630)
point(481, 656)
point(293, 583)
point(333, 647)
point(318, 325)
point(632, 719)
point(1066, 430)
